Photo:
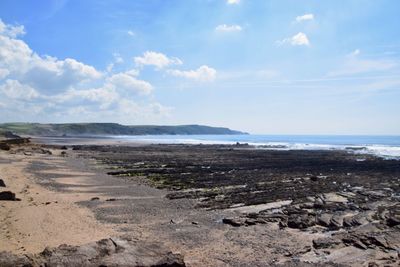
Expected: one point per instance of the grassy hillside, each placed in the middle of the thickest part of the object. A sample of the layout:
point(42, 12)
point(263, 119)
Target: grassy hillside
point(76, 129)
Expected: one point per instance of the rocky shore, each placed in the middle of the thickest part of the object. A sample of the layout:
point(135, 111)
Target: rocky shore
point(218, 205)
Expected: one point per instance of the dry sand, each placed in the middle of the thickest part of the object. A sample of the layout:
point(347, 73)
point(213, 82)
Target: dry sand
point(42, 218)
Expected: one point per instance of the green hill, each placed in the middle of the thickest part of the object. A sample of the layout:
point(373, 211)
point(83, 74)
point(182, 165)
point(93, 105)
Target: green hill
point(89, 129)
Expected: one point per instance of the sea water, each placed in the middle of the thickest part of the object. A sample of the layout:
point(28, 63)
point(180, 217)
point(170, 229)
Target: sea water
point(384, 146)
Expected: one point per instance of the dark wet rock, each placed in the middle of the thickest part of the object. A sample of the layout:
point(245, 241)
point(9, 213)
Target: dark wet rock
point(94, 198)
point(323, 243)
point(232, 222)
point(111, 199)
point(8, 195)
point(63, 148)
point(392, 216)
point(393, 221)
point(4, 146)
point(2, 184)
point(301, 221)
point(10, 135)
point(106, 252)
point(15, 141)
point(63, 153)
point(43, 151)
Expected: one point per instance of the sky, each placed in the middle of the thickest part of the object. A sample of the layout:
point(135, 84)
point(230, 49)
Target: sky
point(260, 66)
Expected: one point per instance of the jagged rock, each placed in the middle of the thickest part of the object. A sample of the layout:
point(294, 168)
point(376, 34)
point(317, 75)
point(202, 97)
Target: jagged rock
point(370, 238)
point(106, 252)
point(336, 222)
point(356, 220)
point(2, 184)
point(64, 148)
point(326, 243)
point(301, 221)
point(8, 195)
point(324, 219)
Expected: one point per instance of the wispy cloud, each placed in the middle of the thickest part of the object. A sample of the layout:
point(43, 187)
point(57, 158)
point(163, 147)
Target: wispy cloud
point(305, 17)
point(353, 64)
point(202, 74)
point(228, 28)
point(296, 40)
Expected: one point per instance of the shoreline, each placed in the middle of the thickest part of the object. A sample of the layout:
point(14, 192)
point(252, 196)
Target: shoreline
point(196, 223)
point(383, 150)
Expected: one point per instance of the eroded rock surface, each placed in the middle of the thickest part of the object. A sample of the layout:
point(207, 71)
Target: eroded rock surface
point(106, 252)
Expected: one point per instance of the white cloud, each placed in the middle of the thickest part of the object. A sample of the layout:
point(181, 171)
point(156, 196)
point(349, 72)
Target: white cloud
point(105, 96)
point(304, 17)
point(156, 59)
point(15, 90)
point(10, 30)
point(44, 73)
point(296, 40)
point(131, 33)
point(126, 82)
point(44, 87)
point(233, 2)
point(203, 74)
point(228, 28)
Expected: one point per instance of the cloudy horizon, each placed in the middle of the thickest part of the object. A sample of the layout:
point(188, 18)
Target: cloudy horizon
point(253, 66)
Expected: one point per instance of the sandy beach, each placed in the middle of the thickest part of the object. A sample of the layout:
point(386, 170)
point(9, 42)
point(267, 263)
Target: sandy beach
point(43, 218)
point(81, 194)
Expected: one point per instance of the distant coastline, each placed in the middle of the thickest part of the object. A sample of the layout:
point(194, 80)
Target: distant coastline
point(94, 129)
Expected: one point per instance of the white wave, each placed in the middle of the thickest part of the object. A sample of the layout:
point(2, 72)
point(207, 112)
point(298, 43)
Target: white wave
point(388, 152)
point(385, 151)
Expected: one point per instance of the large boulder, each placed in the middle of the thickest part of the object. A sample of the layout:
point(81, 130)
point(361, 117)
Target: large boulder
point(2, 184)
point(8, 195)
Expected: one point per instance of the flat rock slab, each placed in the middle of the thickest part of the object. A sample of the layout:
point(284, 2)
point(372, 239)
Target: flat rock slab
point(261, 207)
point(106, 252)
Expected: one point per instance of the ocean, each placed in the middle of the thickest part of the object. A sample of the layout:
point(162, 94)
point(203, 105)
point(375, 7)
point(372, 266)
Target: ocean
point(384, 146)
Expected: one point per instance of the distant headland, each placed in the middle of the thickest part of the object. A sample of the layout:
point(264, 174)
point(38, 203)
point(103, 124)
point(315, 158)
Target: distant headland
point(92, 129)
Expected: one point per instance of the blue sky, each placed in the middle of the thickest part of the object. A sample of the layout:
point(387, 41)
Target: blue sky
point(272, 67)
